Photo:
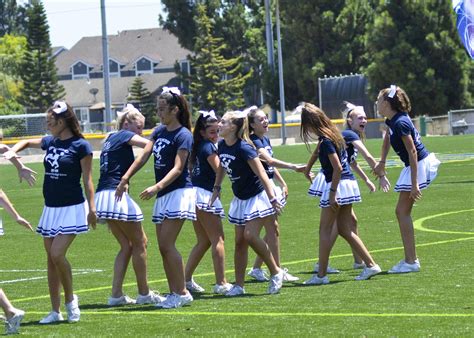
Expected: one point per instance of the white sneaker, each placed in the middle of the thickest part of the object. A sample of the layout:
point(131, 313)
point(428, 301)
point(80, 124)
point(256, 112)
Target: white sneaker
point(13, 324)
point(315, 280)
point(52, 317)
point(236, 290)
point(357, 266)
point(276, 282)
point(194, 287)
point(404, 267)
point(258, 274)
point(122, 300)
point(174, 301)
point(153, 297)
point(328, 270)
point(222, 289)
point(73, 312)
point(288, 277)
point(369, 272)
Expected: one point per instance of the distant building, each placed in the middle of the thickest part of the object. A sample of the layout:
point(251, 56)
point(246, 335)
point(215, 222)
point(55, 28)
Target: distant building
point(148, 53)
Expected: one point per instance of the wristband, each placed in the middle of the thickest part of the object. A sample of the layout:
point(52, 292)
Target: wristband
point(333, 190)
point(274, 199)
point(217, 188)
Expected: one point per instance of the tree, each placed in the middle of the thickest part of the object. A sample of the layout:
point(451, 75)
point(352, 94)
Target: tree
point(141, 98)
point(216, 82)
point(12, 18)
point(39, 72)
point(414, 44)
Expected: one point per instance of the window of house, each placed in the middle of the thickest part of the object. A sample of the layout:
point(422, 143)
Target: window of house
point(80, 70)
point(114, 69)
point(144, 66)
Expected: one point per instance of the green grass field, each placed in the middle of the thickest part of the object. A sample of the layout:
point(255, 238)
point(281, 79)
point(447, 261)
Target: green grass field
point(438, 301)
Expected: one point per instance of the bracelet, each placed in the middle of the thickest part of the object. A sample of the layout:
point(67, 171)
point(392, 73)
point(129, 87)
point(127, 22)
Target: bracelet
point(333, 190)
point(217, 188)
point(381, 161)
point(274, 199)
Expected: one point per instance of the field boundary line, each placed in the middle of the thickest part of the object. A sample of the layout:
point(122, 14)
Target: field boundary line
point(418, 224)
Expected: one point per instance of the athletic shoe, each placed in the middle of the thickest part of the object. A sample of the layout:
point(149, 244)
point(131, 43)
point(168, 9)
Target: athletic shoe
point(222, 289)
point(276, 282)
point(288, 277)
point(404, 267)
point(153, 297)
point(13, 324)
point(174, 301)
point(236, 290)
point(369, 272)
point(258, 274)
point(52, 317)
point(119, 301)
point(328, 270)
point(357, 266)
point(194, 287)
point(315, 280)
point(73, 312)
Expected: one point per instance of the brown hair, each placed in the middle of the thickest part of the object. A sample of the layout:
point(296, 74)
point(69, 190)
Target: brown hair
point(70, 119)
point(242, 125)
point(175, 100)
point(399, 102)
point(253, 110)
point(314, 122)
point(201, 124)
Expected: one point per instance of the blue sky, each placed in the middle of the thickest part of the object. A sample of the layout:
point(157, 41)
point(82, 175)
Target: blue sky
point(70, 20)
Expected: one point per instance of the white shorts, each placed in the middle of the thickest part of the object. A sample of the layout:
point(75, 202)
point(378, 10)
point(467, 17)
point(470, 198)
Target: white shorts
point(70, 220)
point(426, 173)
point(319, 185)
point(203, 197)
point(109, 208)
point(177, 204)
point(243, 211)
point(347, 193)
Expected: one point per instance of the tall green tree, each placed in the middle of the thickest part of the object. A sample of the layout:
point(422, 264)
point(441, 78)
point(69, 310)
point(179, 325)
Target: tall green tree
point(216, 82)
point(414, 44)
point(141, 98)
point(39, 74)
point(12, 18)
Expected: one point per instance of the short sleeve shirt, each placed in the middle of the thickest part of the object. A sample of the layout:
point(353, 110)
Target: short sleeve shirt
point(203, 175)
point(349, 137)
point(326, 148)
point(265, 144)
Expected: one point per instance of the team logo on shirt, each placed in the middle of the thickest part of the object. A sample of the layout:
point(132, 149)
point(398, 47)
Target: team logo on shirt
point(226, 160)
point(159, 145)
point(52, 157)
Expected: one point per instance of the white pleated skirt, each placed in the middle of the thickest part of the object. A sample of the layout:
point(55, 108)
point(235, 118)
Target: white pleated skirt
point(278, 193)
point(319, 185)
point(347, 193)
point(426, 173)
point(109, 208)
point(178, 204)
point(243, 211)
point(203, 197)
point(70, 220)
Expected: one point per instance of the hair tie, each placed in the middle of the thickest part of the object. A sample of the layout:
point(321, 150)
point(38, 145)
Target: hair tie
point(206, 113)
point(393, 91)
point(59, 107)
point(171, 90)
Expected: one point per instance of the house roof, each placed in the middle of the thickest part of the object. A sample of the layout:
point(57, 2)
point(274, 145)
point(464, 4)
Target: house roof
point(125, 47)
point(78, 92)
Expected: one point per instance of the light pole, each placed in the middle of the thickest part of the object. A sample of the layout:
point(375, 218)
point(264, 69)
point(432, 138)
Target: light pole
point(280, 76)
point(105, 62)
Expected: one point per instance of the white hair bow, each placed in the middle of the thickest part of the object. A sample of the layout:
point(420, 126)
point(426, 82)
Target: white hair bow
point(173, 90)
point(351, 107)
point(241, 114)
point(206, 113)
point(129, 107)
point(299, 109)
point(59, 107)
point(393, 90)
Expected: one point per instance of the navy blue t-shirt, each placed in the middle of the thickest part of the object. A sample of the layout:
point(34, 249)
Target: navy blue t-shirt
point(401, 125)
point(265, 144)
point(203, 175)
point(167, 144)
point(115, 159)
point(245, 184)
point(349, 137)
point(325, 149)
point(62, 170)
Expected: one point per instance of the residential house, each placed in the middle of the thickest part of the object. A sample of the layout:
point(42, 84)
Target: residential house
point(149, 53)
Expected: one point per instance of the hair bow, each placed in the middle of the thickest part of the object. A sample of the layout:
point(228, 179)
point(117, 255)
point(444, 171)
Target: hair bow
point(59, 107)
point(299, 108)
point(129, 107)
point(393, 90)
point(241, 114)
point(172, 90)
point(352, 107)
point(206, 113)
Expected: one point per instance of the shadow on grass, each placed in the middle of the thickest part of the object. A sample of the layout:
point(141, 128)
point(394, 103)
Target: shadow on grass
point(36, 323)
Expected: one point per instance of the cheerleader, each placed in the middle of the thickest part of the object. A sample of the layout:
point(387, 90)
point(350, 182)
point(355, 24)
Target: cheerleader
point(258, 125)
point(337, 197)
point(124, 216)
point(420, 170)
point(66, 213)
point(171, 144)
point(254, 203)
point(204, 163)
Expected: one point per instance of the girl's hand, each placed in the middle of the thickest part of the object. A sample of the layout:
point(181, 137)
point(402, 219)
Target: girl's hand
point(284, 191)
point(121, 188)
point(92, 219)
point(308, 174)
point(28, 175)
point(20, 220)
point(332, 201)
point(384, 183)
point(300, 168)
point(276, 206)
point(149, 192)
point(215, 195)
point(415, 192)
point(379, 169)
point(370, 185)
